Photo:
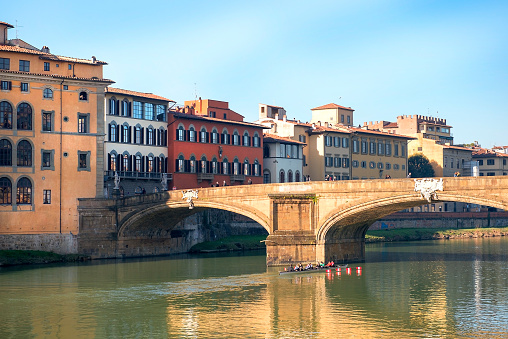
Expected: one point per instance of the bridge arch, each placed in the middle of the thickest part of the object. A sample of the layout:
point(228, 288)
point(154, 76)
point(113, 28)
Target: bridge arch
point(166, 215)
point(353, 222)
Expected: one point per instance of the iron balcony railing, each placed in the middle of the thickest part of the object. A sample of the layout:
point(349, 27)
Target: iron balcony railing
point(110, 175)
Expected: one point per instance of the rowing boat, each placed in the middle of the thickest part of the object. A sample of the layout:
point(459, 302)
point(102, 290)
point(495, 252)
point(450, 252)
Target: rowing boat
point(315, 270)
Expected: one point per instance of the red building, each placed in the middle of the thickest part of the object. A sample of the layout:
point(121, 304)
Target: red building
point(209, 144)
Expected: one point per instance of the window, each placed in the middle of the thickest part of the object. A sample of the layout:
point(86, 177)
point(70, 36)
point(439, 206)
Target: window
point(6, 85)
point(364, 164)
point(24, 192)
point(342, 118)
point(349, 121)
point(137, 110)
point(355, 163)
point(24, 117)
point(66, 87)
point(215, 137)
point(203, 136)
point(24, 66)
point(246, 139)
point(137, 165)
point(372, 164)
point(236, 167)
point(5, 115)
point(372, 149)
point(148, 110)
point(149, 137)
point(5, 63)
point(396, 150)
point(112, 162)
point(125, 133)
point(192, 164)
point(161, 112)
point(490, 161)
point(246, 168)
point(336, 141)
point(83, 123)
point(236, 138)
point(345, 162)
point(345, 142)
point(355, 146)
point(24, 154)
point(225, 137)
point(329, 161)
point(24, 87)
point(112, 132)
point(266, 177)
point(290, 176)
point(396, 166)
point(69, 67)
point(328, 140)
point(192, 134)
point(364, 146)
point(255, 141)
point(46, 66)
point(46, 197)
point(47, 93)
point(138, 138)
point(388, 166)
point(47, 160)
point(403, 150)
point(388, 149)
point(5, 191)
point(380, 148)
point(83, 161)
point(282, 176)
point(337, 162)
point(215, 166)
point(480, 162)
point(83, 96)
point(225, 166)
point(5, 153)
point(47, 119)
point(491, 174)
point(302, 138)
point(180, 134)
point(125, 162)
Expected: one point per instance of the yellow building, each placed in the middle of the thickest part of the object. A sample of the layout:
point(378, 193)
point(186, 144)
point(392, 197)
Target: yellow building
point(51, 137)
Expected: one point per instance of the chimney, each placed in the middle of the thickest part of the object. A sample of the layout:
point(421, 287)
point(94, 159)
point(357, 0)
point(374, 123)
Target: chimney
point(94, 60)
point(45, 49)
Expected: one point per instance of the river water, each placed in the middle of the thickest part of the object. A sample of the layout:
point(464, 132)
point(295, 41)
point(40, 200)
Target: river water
point(424, 289)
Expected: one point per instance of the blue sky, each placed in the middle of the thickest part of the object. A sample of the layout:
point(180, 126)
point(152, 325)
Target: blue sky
point(382, 58)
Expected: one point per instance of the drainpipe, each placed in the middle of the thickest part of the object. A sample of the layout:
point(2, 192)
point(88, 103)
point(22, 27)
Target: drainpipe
point(61, 151)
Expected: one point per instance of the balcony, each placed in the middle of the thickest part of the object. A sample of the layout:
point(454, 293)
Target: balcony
point(205, 176)
point(110, 175)
point(237, 177)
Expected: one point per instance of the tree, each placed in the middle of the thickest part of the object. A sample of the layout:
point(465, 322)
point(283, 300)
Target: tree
point(419, 166)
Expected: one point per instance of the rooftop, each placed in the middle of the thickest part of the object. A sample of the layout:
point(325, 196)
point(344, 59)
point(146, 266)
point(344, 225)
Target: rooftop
point(70, 77)
point(268, 138)
point(137, 94)
point(332, 105)
point(49, 56)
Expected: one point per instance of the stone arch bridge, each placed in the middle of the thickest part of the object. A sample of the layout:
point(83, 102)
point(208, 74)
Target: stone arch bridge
point(306, 222)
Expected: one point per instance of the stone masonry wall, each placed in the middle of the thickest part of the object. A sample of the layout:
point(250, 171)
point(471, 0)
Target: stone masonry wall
point(58, 243)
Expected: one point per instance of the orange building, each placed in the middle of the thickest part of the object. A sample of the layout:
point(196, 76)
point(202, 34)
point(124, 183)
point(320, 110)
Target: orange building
point(51, 137)
point(209, 144)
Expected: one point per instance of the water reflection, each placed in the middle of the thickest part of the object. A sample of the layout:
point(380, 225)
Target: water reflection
point(420, 289)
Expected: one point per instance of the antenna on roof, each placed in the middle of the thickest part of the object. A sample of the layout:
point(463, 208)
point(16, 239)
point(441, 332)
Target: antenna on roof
point(17, 29)
point(195, 92)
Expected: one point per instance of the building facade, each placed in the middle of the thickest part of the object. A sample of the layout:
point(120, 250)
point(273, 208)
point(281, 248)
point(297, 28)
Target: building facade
point(51, 137)
point(491, 162)
point(136, 147)
point(282, 159)
point(210, 145)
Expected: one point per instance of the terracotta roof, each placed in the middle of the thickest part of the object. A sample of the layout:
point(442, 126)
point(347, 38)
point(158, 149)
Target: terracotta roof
point(332, 105)
point(217, 120)
point(458, 148)
point(49, 56)
point(276, 138)
point(272, 106)
point(56, 76)
point(368, 131)
point(391, 125)
point(486, 153)
point(6, 24)
point(137, 94)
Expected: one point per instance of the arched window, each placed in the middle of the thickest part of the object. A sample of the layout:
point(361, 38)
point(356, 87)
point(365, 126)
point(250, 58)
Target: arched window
point(112, 132)
point(192, 164)
point(125, 162)
point(24, 117)
point(215, 136)
point(162, 162)
point(203, 165)
point(180, 133)
point(225, 166)
point(224, 137)
point(192, 134)
point(137, 165)
point(257, 169)
point(126, 108)
point(24, 192)
point(282, 176)
point(236, 138)
point(5, 153)
point(256, 140)
point(47, 93)
point(236, 167)
point(180, 164)
point(83, 96)
point(246, 167)
point(150, 164)
point(5, 191)
point(5, 115)
point(290, 176)
point(215, 166)
point(24, 154)
point(297, 176)
point(246, 139)
point(112, 162)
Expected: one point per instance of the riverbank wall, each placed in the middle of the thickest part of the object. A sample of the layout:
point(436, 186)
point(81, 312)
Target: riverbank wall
point(447, 220)
point(57, 243)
